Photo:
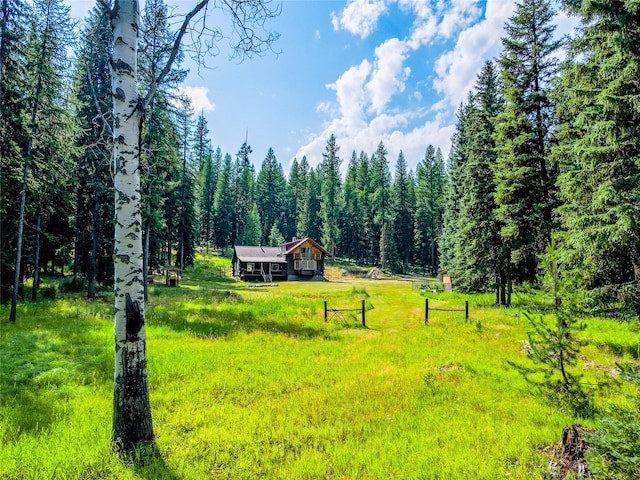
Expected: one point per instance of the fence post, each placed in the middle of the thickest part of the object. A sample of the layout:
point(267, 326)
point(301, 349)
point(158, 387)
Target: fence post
point(364, 324)
point(325, 310)
point(466, 309)
point(426, 311)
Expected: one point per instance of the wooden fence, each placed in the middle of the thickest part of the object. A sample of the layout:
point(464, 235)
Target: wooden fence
point(427, 308)
point(337, 312)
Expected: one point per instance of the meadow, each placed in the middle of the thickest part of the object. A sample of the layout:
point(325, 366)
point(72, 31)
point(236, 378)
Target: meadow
point(252, 383)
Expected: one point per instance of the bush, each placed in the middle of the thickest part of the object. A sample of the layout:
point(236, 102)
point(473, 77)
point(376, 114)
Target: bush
point(616, 443)
point(73, 285)
point(49, 293)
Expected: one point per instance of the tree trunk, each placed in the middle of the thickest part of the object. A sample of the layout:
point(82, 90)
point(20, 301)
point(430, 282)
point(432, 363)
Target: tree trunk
point(145, 259)
point(132, 424)
point(75, 248)
point(23, 200)
point(36, 266)
point(169, 242)
point(93, 259)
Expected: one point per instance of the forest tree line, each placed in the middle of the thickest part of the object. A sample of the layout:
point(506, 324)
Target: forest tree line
point(542, 148)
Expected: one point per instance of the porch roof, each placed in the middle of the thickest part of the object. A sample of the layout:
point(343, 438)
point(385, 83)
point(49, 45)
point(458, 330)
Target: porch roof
point(260, 254)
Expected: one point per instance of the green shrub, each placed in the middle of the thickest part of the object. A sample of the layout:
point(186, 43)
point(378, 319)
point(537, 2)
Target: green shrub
point(73, 285)
point(49, 292)
point(615, 446)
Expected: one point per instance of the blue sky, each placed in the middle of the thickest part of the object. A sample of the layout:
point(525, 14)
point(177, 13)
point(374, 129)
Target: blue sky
point(365, 70)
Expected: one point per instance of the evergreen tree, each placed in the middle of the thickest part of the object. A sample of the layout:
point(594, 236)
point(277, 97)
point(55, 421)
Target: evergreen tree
point(481, 261)
point(367, 241)
point(162, 162)
point(449, 239)
point(429, 207)
point(48, 121)
point(294, 193)
point(599, 144)
point(351, 223)
point(525, 191)
point(381, 203)
point(301, 192)
point(223, 205)
point(251, 233)
point(311, 221)
point(94, 195)
point(155, 48)
point(554, 344)
point(402, 212)
point(187, 223)
point(210, 168)
point(330, 196)
point(159, 158)
point(270, 194)
point(275, 236)
point(244, 189)
point(13, 130)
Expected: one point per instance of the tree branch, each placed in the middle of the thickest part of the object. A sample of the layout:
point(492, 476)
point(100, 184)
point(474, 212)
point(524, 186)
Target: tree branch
point(174, 53)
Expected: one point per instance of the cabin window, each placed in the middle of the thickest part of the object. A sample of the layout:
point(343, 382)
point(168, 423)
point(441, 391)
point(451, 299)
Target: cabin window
point(306, 252)
point(275, 267)
point(249, 267)
point(296, 265)
point(308, 264)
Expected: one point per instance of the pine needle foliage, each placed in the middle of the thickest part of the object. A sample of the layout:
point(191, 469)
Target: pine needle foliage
point(614, 448)
point(553, 344)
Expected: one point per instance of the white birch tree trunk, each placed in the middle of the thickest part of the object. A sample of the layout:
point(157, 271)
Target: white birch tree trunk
point(132, 423)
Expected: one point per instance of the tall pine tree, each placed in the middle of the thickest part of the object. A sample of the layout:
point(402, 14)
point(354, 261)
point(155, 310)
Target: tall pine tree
point(481, 261)
point(330, 196)
point(403, 212)
point(525, 177)
point(599, 145)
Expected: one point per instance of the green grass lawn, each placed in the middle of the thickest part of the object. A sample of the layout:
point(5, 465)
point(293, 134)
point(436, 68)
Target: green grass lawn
point(252, 383)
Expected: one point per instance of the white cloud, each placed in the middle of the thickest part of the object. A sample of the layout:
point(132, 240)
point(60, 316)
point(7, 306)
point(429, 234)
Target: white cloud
point(423, 32)
point(385, 128)
point(351, 95)
point(461, 14)
point(359, 17)
point(457, 69)
point(389, 76)
point(199, 98)
point(421, 8)
point(364, 111)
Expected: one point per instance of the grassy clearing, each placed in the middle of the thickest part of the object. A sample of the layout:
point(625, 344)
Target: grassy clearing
point(251, 383)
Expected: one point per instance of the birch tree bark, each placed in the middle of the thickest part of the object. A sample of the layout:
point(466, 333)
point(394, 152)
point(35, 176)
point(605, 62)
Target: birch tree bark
point(132, 424)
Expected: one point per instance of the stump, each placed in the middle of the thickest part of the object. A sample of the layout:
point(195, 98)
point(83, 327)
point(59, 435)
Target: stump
point(568, 454)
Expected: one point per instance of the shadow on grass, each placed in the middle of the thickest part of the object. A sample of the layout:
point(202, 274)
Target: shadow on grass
point(224, 313)
point(222, 323)
point(148, 462)
point(45, 358)
point(620, 350)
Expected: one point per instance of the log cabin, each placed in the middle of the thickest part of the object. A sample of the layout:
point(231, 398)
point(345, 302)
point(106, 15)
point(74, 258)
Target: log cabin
point(291, 261)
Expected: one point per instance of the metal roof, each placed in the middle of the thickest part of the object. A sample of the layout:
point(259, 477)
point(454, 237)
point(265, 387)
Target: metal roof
point(260, 254)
